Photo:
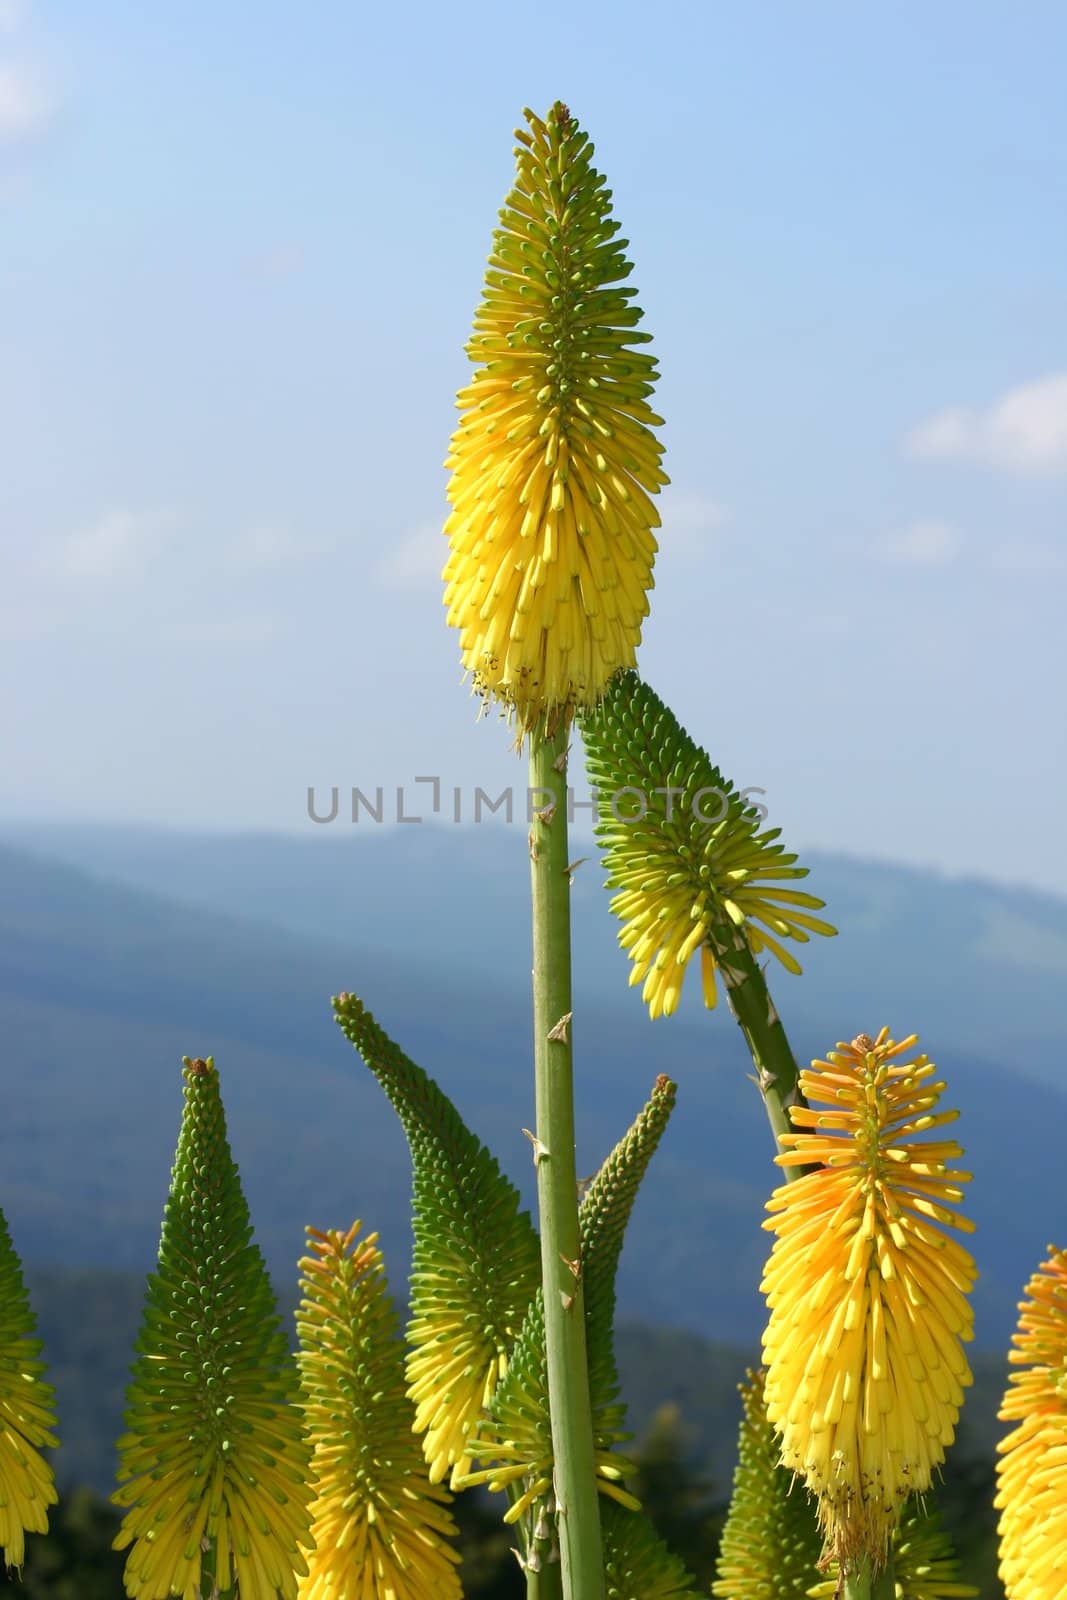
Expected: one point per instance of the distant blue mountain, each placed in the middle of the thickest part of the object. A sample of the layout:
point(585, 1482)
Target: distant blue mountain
point(122, 950)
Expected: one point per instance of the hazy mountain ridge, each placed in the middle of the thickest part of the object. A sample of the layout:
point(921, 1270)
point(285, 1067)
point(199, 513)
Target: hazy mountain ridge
point(103, 986)
point(970, 965)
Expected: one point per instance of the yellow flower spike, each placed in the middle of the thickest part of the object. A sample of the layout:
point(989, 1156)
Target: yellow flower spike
point(379, 1528)
point(27, 1414)
point(1032, 1472)
point(553, 462)
point(866, 1292)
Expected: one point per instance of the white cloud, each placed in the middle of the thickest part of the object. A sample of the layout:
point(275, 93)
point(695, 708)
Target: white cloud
point(1024, 431)
point(415, 559)
point(26, 104)
point(118, 543)
point(924, 543)
point(265, 548)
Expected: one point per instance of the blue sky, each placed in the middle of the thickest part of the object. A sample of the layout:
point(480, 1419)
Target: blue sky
point(242, 246)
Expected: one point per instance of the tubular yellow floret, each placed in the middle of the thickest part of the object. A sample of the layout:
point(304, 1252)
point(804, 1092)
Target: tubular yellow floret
point(1032, 1472)
point(866, 1293)
point(553, 462)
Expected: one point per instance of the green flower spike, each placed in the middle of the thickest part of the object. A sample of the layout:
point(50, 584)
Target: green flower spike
point(214, 1466)
point(771, 1542)
point(379, 1528)
point(637, 1564)
point(476, 1263)
point(692, 867)
point(518, 1439)
point(27, 1414)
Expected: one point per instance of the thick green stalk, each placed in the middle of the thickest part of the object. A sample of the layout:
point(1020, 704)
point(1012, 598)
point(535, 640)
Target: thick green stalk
point(578, 1512)
point(857, 1583)
point(750, 1001)
point(884, 1586)
point(546, 1583)
point(865, 1584)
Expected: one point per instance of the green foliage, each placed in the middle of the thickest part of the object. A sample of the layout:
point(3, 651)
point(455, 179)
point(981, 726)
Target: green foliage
point(75, 1559)
point(476, 1261)
point(677, 1494)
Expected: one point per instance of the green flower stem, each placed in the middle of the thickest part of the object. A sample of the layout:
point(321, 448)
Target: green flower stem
point(544, 1580)
point(546, 1584)
point(750, 1001)
point(857, 1583)
point(865, 1584)
point(557, 1178)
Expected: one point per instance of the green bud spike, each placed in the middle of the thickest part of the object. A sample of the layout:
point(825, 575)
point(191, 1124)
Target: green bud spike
point(604, 1216)
point(771, 1542)
point(214, 1466)
point(476, 1263)
point(637, 1564)
point(27, 1414)
point(518, 1439)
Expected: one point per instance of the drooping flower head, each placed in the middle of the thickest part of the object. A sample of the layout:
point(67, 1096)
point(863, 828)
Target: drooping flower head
point(27, 1414)
point(213, 1468)
point(690, 858)
point(550, 536)
point(867, 1293)
point(379, 1528)
point(1032, 1472)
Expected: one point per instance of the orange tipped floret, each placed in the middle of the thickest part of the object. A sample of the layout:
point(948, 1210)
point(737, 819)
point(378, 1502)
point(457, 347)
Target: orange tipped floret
point(1032, 1472)
point(867, 1293)
point(554, 461)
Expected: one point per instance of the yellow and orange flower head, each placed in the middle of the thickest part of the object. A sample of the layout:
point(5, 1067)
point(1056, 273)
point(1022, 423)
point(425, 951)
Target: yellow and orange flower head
point(380, 1529)
point(867, 1293)
point(27, 1414)
point(554, 461)
point(1032, 1472)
